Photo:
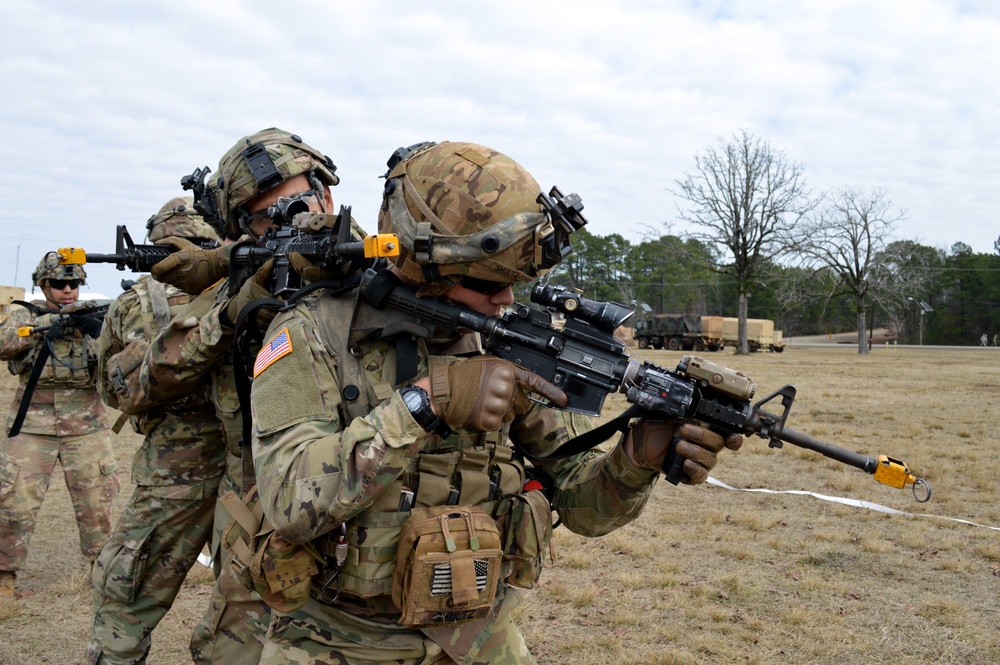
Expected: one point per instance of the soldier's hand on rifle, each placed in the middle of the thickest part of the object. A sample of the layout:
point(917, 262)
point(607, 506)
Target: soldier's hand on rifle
point(88, 326)
point(649, 442)
point(485, 392)
point(308, 270)
point(191, 268)
point(253, 289)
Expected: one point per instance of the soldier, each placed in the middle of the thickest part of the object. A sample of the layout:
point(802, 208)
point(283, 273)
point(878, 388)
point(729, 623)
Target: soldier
point(364, 438)
point(176, 471)
point(65, 421)
point(188, 353)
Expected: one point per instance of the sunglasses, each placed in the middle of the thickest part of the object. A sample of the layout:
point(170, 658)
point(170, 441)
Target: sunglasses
point(484, 286)
point(60, 284)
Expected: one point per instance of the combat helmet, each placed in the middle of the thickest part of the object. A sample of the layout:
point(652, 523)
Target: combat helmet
point(260, 162)
point(51, 268)
point(178, 219)
point(465, 210)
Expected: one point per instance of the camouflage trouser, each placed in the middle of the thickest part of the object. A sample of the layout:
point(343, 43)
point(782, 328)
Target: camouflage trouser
point(26, 465)
point(140, 570)
point(234, 624)
point(319, 634)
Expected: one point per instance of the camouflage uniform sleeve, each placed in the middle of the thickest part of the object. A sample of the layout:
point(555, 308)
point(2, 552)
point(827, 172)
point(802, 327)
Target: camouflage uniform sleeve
point(110, 343)
point(313, 472)
point(186, 350)
point(597, 491)
point(11, 346)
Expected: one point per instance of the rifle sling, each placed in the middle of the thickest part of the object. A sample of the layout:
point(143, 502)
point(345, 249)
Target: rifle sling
point(36, 371)
point(587, 440)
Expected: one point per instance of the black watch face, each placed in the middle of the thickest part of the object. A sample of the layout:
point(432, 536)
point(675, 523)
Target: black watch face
point(413, 399)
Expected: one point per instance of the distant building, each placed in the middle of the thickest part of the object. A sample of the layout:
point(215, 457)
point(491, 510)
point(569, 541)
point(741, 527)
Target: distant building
point(9, 294)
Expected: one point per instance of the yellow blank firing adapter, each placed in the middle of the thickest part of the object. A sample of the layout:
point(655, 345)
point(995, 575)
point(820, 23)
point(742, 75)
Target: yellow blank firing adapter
point(24, 331)
point(381, 244)
point(72, 256)
point(894, 473)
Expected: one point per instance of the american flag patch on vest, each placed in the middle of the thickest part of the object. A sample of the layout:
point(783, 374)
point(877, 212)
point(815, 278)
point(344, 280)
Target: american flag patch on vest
point(279, 346)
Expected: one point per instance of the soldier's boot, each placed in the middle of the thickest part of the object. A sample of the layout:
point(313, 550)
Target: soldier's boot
point(7, 579)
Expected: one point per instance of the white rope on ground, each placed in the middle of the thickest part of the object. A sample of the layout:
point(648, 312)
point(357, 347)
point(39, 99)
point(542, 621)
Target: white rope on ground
point(857, 503)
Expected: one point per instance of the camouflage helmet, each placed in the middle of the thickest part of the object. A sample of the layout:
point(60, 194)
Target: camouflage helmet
point(462, 209)
point(50, 267)
point(178, 219)
point(260, 162)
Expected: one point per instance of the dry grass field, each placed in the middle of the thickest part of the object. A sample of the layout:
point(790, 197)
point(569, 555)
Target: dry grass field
point(709, 575)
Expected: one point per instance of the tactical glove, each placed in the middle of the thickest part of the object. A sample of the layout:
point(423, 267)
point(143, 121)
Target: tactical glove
point(253, 289)
point(191, 268)
point(698, 446)
point(88, 326)
point(308, 270)
point(485, 392)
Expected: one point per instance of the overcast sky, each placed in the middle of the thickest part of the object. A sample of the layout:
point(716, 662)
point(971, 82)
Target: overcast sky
point(105, 105)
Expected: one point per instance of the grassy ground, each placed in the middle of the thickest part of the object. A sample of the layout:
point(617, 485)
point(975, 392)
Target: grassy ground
point(709, 575)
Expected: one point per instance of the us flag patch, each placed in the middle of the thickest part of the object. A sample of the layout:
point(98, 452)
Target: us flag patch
point(279, 346)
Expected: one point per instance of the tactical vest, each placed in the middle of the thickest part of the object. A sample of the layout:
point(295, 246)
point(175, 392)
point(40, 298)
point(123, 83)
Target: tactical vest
point(71, 364)
point(467, 468)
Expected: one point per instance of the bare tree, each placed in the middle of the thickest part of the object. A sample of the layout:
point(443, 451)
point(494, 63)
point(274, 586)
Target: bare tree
point(746, 196)
point(848, 237)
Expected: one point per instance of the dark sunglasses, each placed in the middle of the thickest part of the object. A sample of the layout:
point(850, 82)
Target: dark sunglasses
point(484, 286)
point(60, 284)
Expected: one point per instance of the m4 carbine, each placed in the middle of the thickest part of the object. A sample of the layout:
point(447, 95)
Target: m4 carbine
point(137, 258)
point(587, 361)
point(332, 243)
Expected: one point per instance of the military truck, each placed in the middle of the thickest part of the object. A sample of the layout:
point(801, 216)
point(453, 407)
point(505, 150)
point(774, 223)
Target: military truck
point(761, 335)
point(680, 331)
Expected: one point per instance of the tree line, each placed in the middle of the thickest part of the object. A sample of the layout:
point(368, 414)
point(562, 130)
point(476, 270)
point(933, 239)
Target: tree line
point(961, 287)
point(764, 245)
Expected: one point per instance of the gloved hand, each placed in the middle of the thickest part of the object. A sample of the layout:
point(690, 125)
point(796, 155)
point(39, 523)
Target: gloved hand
point(252, 289)
point(649, 443)
point(485, 392)
point(191, 268)
point(88, 325)
point(308, 270)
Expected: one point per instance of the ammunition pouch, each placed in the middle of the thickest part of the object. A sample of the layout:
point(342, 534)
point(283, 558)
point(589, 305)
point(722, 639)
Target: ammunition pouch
point(527, 529)
point(447, 566)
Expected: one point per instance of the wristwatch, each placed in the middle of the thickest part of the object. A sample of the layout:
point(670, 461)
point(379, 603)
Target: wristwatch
point(419, 405)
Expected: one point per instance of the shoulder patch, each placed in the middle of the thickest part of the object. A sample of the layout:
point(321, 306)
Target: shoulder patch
point(279, 347)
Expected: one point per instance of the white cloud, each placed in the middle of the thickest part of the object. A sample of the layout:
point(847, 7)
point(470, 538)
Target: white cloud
point(107, 105)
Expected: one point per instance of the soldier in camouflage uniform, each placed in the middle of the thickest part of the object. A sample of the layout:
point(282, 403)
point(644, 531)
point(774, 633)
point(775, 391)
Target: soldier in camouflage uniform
point(65, 422)
point(176, 471)
point(343, 438)
point(197, 351)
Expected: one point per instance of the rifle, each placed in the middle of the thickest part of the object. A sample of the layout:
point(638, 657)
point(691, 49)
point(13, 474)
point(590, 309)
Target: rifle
point(68, 317)
point(137, 258)
point(330, 242)
point(588, 362)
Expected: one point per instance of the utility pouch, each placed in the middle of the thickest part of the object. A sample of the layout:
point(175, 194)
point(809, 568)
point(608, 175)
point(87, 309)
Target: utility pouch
point(447, 566)
point(528, 531)
point(282, 573)
point(263, 561)
point(124, 378)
